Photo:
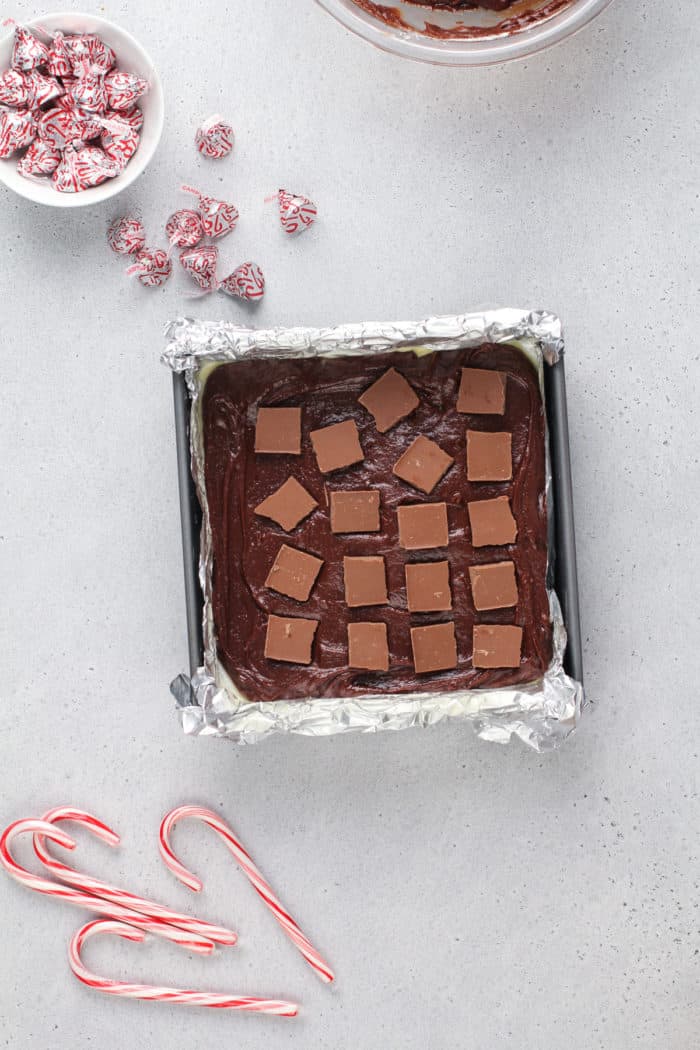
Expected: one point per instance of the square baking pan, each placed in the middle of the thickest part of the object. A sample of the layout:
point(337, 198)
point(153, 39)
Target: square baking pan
point(562, 574)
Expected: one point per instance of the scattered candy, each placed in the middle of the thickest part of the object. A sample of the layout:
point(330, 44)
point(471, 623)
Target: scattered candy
point(214, 138)
point(40, 159)
point(184, 228)
point(296, 213)
point(126, 236)
point(27, 52)
point(56, 99)
point(200, 263)
point(246, 282)
point(17, 130)
point(119, 141)
point(152, 267)
point(123, 89)
point(218, 217)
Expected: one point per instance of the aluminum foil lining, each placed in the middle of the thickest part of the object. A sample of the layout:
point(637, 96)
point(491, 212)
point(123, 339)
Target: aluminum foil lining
point(542, 713)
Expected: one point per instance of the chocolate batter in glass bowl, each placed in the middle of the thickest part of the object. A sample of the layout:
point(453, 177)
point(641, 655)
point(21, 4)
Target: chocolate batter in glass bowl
point(464, 32)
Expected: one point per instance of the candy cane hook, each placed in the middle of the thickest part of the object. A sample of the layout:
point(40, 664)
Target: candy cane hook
point(213, 1000)
point(261, 887)
point(191, 941)
point(218, 934)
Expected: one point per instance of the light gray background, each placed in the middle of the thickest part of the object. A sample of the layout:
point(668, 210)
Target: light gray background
point(468, 895)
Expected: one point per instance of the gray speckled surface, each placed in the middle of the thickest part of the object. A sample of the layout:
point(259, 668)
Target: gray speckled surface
point(467, 894)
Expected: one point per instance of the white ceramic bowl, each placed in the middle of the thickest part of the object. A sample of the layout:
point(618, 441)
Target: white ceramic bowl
point(468, 38)
point(131, 57)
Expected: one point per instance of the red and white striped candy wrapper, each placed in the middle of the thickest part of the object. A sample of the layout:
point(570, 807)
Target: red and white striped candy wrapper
point(190, 941)
point(152, 993)
point(91, 48)
point(246, 282)
point(59, 126)
point(119, 141)
point(89, 93)
point(200, 263)
point(214, 138)
point(126, 236)
point(208, 931)
point(58, 63)
point(132, 116)
point(17, 129)
point(123, 89)
point(27, 52)
point(260, 885)
point(80, 169)
point(297, 213)
point(218, 217)
point(184, 228)
point(42, 89)
point(152, 267)
point(40, 159)
point(27, 89)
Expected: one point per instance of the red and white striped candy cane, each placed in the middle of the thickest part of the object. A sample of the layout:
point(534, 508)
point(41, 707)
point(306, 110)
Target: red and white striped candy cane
point(246, 862)
point(190, 941)
point(218, 934)
point(213, 1000)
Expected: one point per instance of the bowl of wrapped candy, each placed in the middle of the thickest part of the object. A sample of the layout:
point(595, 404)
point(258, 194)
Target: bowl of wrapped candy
point(81, 110)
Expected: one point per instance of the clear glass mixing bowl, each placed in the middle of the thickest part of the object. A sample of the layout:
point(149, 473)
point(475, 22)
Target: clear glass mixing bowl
point(464, 38)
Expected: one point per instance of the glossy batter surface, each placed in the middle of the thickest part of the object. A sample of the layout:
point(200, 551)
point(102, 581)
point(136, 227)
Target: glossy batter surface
point(245, 545)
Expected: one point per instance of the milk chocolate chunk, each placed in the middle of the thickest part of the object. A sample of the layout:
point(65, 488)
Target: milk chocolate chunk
point(489, 456)
point(287, 505)
point(337, 446)
point(293, 573)
point(290, 638)
point(365, 581)
point(482, 392)
point(497, 646)
point(355, 511)
point(428, 586)
point(423, 464)
point(278, 430)
point(492, 522)
point(494, 586)
point(368, 648)
point(389, 399)
point(434, 647)
point(422, 526)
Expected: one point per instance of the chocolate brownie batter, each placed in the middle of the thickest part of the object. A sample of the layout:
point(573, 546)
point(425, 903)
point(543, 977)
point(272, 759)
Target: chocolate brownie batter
point(246, 545)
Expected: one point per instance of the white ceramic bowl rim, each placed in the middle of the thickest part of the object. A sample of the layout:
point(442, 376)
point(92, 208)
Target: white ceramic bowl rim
point(459, 51)
point(131, 54)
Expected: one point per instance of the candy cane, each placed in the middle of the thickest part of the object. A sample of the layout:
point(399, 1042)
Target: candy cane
point(283, 917)
point(218, 934)
point(191, 941)
point(213, 1000)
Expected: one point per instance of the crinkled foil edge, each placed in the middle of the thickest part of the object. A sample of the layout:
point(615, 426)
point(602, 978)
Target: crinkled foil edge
point(541, 714)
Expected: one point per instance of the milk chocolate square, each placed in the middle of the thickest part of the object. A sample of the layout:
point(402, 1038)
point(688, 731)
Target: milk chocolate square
point(337, 446)
point(278, 430)
point(423, 464)
point(428, 586)
point(389, 399)
point(368, 648)
point(497, 646)
point(356, 510)
point(482, 392)
point(492, 522)
point(494, 586)
point(287, 505)
point(434, 647)
point(422, 526)
point(290, 638)
point(293, 573)
point(365, 581)
point(489, 456)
